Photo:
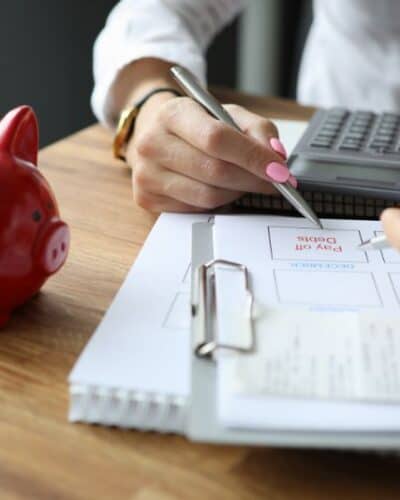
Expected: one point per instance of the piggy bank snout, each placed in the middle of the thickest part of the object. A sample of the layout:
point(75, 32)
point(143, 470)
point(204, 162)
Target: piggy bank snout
point(52, 246)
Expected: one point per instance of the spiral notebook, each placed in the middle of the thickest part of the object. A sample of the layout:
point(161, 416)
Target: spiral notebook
point(134, 372)
point(325, 205)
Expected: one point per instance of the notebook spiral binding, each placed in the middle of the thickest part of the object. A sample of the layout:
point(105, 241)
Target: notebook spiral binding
point(127, 408)
point(203, 310)
point(325, 204)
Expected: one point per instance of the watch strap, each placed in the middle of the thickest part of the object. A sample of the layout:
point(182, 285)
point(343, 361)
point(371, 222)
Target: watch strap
point(127, 120)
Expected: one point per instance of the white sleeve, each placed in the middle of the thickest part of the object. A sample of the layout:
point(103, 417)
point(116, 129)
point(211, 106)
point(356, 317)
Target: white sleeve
point(177, 31)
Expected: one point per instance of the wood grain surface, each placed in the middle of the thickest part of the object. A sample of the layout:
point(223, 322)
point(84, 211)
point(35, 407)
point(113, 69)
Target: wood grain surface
point(43, 457)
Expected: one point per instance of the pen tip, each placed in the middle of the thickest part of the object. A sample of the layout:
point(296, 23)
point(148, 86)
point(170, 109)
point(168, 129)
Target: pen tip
point(317, 222)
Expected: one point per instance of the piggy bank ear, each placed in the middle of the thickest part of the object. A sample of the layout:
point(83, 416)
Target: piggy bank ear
point(19, 134)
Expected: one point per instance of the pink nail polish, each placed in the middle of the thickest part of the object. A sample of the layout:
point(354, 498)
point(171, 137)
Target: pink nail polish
point(277, 172)
point(293, 181)
point(278, 147)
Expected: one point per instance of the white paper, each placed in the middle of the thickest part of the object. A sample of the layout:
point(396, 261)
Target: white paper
point(342, 356)
point(290, 132)
point(143, 342)
point(296, 267)
point(294, 264)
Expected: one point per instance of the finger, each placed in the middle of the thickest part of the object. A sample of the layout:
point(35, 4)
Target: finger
point(155, 179)
point(221, 141)
point(262, 129)
point(174, 154)
point(391, 225)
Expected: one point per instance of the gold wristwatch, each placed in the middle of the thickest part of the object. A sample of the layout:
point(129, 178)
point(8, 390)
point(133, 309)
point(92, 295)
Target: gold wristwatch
point(127, 119)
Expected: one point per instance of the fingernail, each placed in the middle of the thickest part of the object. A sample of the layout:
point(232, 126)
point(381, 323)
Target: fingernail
point(278, 147)
point(293, 181)
point(277, 172)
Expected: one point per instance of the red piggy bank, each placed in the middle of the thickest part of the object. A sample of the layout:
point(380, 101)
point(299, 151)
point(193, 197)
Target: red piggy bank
point(34, 240)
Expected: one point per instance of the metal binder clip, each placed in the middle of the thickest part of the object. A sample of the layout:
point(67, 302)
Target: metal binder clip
point(203, 309)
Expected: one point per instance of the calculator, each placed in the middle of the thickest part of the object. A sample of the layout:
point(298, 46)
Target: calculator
point(354, 152)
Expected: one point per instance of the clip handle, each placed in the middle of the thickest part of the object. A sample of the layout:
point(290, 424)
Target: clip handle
point(203, 310)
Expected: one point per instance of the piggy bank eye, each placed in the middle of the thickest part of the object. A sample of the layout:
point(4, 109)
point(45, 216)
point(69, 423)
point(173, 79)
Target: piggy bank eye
point(36, 216)
point(50, 205)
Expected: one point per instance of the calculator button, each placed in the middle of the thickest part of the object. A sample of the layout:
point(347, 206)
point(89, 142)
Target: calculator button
point(320, 145)
point(349, 147)
point(330, 128)
point(338, 112)
point(390, 117)
point(383, 137)
point(365, 114)
point(326, 133)
point(332, 120)
point(387, 129)
point(379, 149)
point(355, 135)
point(360, 123)
point(323, 140)
point(358, 130)
point(325, 136)
point(349, 140)
point(384, 133)
point(379, 142)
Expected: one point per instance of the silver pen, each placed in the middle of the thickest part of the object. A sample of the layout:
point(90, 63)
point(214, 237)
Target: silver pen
point(193, 88)
point(375, 243)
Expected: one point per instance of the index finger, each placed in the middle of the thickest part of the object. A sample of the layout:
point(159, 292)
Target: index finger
point(391, 224)
point(193, 124)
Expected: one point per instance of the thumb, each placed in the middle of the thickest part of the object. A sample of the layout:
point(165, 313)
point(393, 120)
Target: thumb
point(391, 224)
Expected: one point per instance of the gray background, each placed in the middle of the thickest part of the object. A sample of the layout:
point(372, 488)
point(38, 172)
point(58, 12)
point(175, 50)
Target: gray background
point(46, 55)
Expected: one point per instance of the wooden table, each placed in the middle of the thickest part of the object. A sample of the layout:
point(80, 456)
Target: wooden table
point(43, 457)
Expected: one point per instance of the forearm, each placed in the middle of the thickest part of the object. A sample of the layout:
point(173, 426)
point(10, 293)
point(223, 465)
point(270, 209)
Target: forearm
point(138, 31)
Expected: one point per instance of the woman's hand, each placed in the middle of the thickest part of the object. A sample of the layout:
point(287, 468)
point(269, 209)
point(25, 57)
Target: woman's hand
point(185, 160)
point(391, 225)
